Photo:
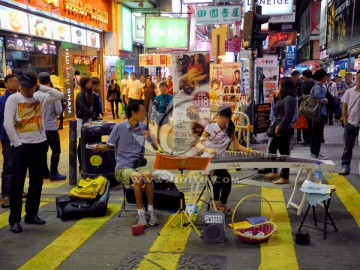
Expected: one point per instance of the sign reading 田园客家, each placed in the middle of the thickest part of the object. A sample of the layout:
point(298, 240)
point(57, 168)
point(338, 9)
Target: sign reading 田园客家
point(217, 14)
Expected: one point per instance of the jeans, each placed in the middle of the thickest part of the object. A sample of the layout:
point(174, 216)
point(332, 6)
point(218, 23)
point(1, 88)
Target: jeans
point(26, 156)
point(350, 134)
point(331, 109)
point(6, 175)
point(317, 135)
point(282, 143)
point(53, 140)
point(223, 185)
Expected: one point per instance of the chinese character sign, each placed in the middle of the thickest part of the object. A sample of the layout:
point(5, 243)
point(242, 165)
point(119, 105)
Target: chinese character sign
point(217, 14)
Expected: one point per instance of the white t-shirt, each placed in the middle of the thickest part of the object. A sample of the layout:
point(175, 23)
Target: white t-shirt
point(332, 88)
point(123, 84)
point(352, 99)
point(134, 89)
point(23, 117)
point(218, 139)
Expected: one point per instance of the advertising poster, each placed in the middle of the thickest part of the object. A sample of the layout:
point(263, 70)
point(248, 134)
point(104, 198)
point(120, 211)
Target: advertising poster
point(267, 78)
point(340, 22)
point(155, 60)
point(225, 83)
point(191, 104)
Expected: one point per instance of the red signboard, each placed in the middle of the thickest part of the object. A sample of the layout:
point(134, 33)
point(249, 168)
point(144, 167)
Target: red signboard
point(95, 13)
point(282, 39)
point(233, 45)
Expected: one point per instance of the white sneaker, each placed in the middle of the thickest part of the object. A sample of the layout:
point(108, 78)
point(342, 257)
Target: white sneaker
point(152, 218)
point(321, 157)
point(141, 218)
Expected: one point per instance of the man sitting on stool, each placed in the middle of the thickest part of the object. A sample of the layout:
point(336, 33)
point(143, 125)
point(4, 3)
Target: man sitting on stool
point(128, 139)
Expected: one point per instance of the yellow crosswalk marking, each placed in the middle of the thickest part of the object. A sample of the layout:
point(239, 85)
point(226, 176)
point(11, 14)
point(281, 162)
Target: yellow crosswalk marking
point(70, 240)
point(5, 216)
point(167, 247)
point(279, 251)
point(347, 194)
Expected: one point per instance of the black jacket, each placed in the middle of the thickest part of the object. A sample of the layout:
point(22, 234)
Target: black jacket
point(114, 92)
point(84, 109)
point(306, 87)
point(96, 107)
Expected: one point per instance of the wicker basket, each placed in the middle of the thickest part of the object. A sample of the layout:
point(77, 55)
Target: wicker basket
point(268, 227)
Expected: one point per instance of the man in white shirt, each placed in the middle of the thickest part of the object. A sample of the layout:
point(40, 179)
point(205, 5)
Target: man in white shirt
point(351, 120)
point(331, 88)
point(133, 89)
point(157, 84)
point(23, 122)
point(123, 87)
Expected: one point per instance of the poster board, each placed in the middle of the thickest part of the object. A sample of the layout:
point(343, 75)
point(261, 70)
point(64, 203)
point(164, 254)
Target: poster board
point(266, 78)
point(191, 104)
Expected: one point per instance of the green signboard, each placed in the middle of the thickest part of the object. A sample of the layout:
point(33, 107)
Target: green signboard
point(166, 32)
point(126, 29)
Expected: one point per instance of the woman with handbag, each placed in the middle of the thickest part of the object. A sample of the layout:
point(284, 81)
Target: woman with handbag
point(283, 130)
point(113, 96)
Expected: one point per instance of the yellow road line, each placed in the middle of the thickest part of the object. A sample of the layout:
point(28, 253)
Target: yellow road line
point(62, 247)
point(279, 251)
point(347, 194)
point(5, 216)
point(167, 247)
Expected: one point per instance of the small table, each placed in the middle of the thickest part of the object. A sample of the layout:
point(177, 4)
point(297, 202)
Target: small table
point(327, 215)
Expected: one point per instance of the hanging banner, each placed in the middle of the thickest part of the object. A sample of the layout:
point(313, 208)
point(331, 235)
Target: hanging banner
point(191, 104)
point(217, 14)
point(68, 71)
point(267, 78)
point(323, 22)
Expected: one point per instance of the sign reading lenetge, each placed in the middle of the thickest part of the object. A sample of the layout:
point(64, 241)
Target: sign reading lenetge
point(217, 14)
point(272, 7)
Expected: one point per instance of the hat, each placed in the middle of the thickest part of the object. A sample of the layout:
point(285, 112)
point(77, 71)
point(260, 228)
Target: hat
point(44, 78)
point(28, 79)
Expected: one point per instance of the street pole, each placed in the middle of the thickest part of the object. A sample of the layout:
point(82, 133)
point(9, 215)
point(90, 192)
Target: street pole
point(72, 153)
point(351, 37)
point(252, 80)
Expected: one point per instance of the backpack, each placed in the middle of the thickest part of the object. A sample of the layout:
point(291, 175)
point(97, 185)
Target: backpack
point(310, 107)
point(89, 189)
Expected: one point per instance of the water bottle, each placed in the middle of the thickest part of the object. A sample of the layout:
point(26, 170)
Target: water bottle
point(318, 174)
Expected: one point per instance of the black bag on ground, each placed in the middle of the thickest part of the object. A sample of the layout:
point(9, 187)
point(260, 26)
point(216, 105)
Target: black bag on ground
point(68, 208)
point(166, 196)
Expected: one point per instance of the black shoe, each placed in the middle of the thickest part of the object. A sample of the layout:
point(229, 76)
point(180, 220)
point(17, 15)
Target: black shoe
point(60, 128)
point(344, 171)
point(34, 220)
point(16, 228)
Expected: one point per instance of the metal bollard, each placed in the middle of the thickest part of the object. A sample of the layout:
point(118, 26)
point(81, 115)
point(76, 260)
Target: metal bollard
point(72, 153)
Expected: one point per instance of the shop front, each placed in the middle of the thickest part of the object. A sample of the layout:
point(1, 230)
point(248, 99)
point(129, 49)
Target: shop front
point(59, 39)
